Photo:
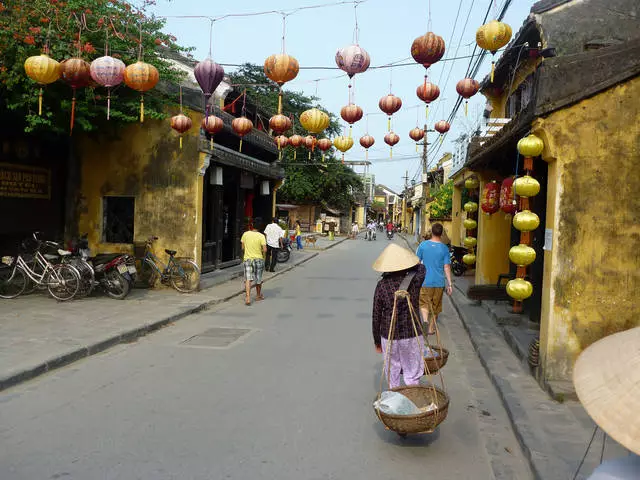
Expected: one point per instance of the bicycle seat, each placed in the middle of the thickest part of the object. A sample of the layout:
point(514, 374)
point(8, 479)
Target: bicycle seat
point(63, 253)
point(171, 252)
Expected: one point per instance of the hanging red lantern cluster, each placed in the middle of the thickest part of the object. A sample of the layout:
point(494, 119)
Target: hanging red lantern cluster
point(490, 202)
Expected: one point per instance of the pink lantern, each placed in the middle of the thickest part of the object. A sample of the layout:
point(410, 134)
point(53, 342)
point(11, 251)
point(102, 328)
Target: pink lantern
point(353, 59)
point(209, 75)
point(108, 72)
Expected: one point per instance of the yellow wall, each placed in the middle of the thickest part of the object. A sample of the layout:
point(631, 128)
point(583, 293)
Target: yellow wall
point(494, 241)
point(499, 102)
point(457, 217)
point(144, 161)
point(591, 274)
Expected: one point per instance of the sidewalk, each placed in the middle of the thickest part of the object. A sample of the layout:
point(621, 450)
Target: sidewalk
point(38, 334)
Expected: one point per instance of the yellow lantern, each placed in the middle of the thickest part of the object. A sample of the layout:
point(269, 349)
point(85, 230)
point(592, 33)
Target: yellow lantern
point(526, 221)
point(493, 36)
point(469, 259)
point(315, 121)
point(471, 183)
point(43, 70)
point(470, 242)
point(470, 224)
point(470, 207)
point(522, 255)
point(527, 186)
point(519, 289)
point(343, 143)
point(281, 68)
point(530, 146)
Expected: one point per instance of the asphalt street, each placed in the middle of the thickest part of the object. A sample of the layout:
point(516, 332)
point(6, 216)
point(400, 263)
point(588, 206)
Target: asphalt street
point(282, 389)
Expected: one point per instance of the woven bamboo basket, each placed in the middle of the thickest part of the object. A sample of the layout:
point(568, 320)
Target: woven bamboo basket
point(433, 364)
point(422, 396)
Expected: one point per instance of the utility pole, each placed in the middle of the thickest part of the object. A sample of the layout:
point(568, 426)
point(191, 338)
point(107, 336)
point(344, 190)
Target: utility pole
point(425, 146)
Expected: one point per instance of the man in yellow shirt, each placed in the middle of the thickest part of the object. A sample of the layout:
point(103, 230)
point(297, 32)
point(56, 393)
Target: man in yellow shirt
point(254, 245)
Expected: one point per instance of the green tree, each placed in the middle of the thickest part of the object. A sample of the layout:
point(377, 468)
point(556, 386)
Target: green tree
point(441, 206)
point(79, 28)
point(309, 178)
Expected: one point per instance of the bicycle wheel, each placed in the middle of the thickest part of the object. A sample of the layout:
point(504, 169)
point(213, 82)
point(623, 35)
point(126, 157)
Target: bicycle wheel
point(12, 282)
point(63, 282)
point(87, 279)
point(146, 275)
point(116, 285)
point(185, 275)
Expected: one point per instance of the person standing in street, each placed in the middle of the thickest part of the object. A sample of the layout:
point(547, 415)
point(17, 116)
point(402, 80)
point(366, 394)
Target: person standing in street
point(298, 235)
point(354, 231)
point(254, 246)
point(434, 255)
point(274, 234)
point(406, 360)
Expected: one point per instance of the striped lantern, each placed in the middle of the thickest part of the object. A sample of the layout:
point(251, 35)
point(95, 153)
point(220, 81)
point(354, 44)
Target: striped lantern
point(181, 123)
point(142, 77)
point(324, 144)
point(43, 70)
point(108, 72)
point(390, 104)
point(467, 88)
point(242, 126)
point(212, 125)
point(367, 141)
point(77, 73)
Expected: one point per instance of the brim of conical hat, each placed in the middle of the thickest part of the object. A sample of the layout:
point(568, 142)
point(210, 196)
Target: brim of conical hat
point(395, 258)
point(607, 380)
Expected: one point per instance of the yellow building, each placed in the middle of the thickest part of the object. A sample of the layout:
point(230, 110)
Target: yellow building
point(577, 89)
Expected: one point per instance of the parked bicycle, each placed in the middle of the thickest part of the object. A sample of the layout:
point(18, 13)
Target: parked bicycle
point(182, 274)
point(32, 268)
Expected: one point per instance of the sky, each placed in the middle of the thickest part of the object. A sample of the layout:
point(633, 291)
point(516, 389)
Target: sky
point(386, 30)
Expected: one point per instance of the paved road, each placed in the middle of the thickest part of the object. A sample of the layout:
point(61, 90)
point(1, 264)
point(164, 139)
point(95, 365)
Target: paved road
point(290, 399)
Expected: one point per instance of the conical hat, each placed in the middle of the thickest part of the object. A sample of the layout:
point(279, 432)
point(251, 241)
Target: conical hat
point(607, 380)
point(395, 258)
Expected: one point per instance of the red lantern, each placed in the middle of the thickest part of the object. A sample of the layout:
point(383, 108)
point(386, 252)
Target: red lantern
point(490, 198)
point(351, 114)
point(390, 104)
point(212, 125)
point(324, 144)
point(281, 141)
point(181, 123)
point(391, 139)
point(242, 126)
point(467, 88)
point(310, 142)
point(367, 141)
point(428, 92)
point(507, 198)
point(77, 73)
point(416, 134)
point(442, 127)
point(280, 123)
point(428, 49)
point(295, 141)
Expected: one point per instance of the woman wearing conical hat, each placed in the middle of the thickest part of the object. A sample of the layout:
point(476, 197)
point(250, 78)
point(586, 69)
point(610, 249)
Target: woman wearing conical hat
point(396, 263)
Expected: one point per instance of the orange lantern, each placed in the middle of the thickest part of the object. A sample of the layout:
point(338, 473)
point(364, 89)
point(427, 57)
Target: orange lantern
point(391, 139)
point(77, 73)
point(428, 49)
point(490, 202)
point(281, 142)
point(367, 141)
point(427, 92)
point(416, 134)
point(507, 198)
point(324, 144)
point(242, 126)
point(280, 123)
point(467, 88)
point(141, 77)
point(295, 141)
point(351, 113)
point(310, 142)
point(212, 125)
point(281, 68)
point(390, 104)
point(181, 123)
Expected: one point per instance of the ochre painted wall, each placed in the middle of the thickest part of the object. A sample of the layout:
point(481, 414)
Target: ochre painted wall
point(592, 273)
point(144, 161)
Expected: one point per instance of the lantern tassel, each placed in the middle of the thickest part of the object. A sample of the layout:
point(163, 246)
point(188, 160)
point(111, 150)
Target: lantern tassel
point(416, 147)
point(350, 130)
point(73, 112)
point(389, 124)
point(466, 108)
point(343, 158)
point(309, 154)
point(295, 154)
point(141, 108)
point(280, 101)
point(211, 143)
point(366, 154)
point(391, 152)
point(493, 69)
point(180, 142)
point(280, 155)
point(108, 102)
point(40, 102)
point(240, 147)
point(426, 113)
point(323, 158)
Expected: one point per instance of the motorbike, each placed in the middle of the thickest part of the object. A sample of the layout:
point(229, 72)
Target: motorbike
point(284, 253)
point(457, 265)
point(389, 234)
point(371, 234)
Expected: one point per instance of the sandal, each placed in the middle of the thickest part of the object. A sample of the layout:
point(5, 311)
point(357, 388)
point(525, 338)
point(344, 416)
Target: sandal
point(261, 297)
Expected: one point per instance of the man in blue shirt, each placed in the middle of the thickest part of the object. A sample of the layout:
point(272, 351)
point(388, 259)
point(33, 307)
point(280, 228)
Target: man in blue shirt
point(434, 255)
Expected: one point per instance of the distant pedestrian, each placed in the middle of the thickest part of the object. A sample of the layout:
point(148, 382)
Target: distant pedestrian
point(298, 235)
point(254, 246)
point(354, 230)
point(274, 234)
point(434, 255)
point(396, 264)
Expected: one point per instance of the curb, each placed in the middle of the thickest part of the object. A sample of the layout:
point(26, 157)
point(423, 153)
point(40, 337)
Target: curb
point(131, 335)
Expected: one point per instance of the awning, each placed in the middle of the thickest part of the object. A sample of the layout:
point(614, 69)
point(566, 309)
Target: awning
point(286, 206)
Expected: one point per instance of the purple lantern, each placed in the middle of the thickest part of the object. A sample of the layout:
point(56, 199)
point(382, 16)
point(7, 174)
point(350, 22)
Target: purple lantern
point(108, 72)
point(353, 59)
point(209, 75)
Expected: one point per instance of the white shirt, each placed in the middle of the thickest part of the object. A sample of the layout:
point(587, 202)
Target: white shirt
point(274, 233)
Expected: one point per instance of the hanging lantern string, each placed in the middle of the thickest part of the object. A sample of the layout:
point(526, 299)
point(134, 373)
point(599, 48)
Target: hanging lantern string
point(244, 102)
point(429, 18)
point(356, 30)
point(284, 30)
point(180, 98)
point(211, 39)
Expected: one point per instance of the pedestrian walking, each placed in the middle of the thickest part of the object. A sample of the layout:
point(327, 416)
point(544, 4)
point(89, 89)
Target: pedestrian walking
point(354, 230)
point(274, 234)
point(254, 245)
point(434, 255)
point(298, 235)
point(398, 264)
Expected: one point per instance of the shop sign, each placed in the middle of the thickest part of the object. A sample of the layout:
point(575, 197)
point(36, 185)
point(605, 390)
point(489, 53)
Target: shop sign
point(24, 181)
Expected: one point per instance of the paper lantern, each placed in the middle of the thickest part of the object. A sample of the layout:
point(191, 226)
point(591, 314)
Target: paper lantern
point(43, 70)
point(142, 77)
point(530, 146)
point(280, 123)
point(212, 125)
point(77, 73)
point(467, 88)
point(470, 207)
point(351, 113)
point(314, 120)
point(352, 59)
point(391, 139)
point(181, 123)
point(492, 36)
point(470, 242)
point(507, 198)
point(469, 259)
point(281, 68)
point(242, 126)
point(428, 92)
point(295, 141)
point(519, 289)
point(471, 183)
point(390, 104)
point(343, 143)
point(281, 141)
point(367, 141)
point(522, 255)
point(416, 134)
point(108, 72)
point(470, 224)
point(442, 127)
point(526, 221)
point(324, 144)
point(310, 142)
point(490, 203)
point(428, 49)
point(526, 186)
point(208, 74)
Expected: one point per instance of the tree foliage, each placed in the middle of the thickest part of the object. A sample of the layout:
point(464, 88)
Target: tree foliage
point(309, 178)
point(441, 206)
point(79, 28)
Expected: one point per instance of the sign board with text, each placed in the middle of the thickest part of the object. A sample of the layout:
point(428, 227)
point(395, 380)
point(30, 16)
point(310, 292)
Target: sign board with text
point(24, 181)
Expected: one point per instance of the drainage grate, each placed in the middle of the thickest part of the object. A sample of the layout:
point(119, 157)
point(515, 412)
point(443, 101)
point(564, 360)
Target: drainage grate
point(217, 337)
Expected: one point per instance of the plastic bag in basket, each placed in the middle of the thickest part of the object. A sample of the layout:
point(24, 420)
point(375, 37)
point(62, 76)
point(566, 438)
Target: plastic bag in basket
point(430, 352)
point(394, 403)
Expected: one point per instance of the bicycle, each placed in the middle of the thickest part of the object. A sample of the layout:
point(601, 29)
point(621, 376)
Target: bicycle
point(62, 280)
point(182, 273)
